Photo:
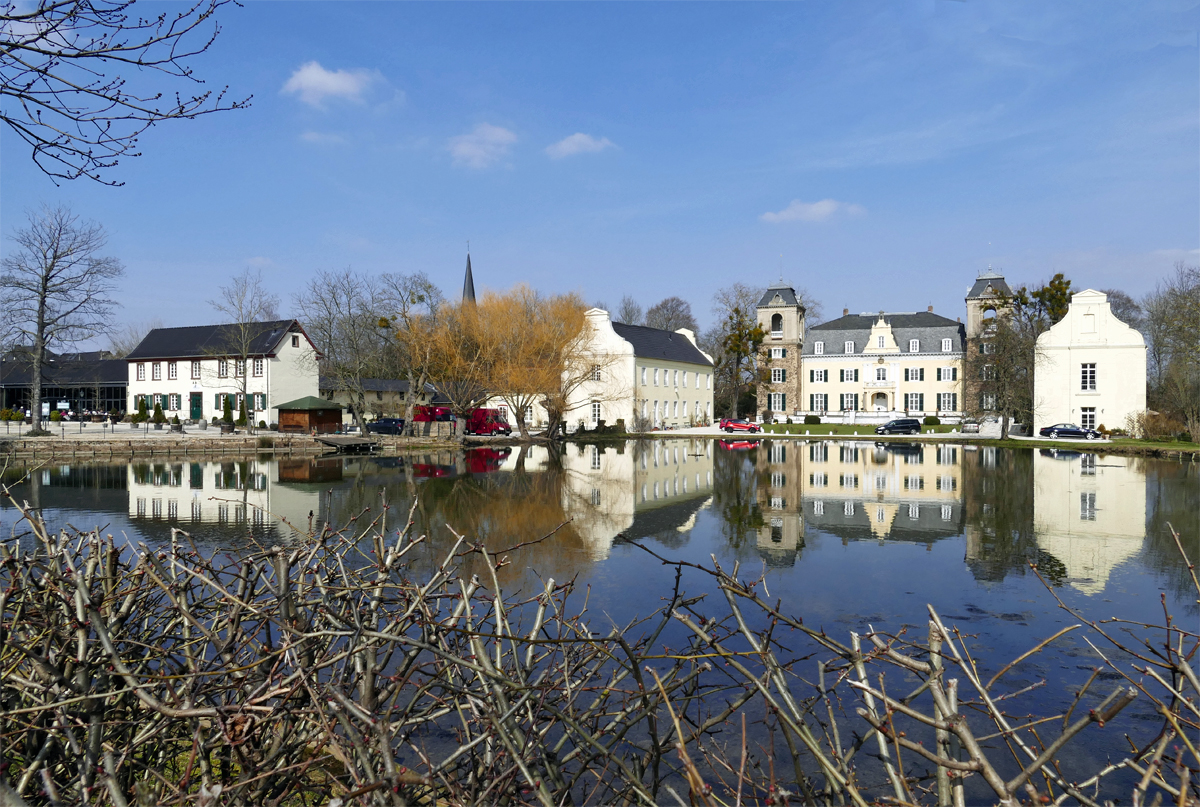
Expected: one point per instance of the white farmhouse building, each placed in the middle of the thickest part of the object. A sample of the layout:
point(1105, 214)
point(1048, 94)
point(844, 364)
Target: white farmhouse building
point(189, 371)
point(1091, 367)
point(660, 376)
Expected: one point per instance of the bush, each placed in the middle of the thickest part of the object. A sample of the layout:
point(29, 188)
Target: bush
point(227, 410)
point(932, 420)
point(812, 420)
point(56, 416)
point(175, 420)
point(9, 414)
point(141, 416)
point(159, 417)
point(1154, 426)
point(262, 424)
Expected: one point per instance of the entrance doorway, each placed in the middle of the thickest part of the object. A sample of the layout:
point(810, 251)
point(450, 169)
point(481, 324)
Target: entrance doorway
point(880, 402)
point(197, 406)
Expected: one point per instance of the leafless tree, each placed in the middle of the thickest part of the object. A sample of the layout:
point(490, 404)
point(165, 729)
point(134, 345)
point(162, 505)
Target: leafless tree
point(252, 310)
point(81, 80)
point(346, 315)
point(1125, 308)
point(411, 302)
point(56, 288)
point(1173, 339)
point(672, 314)
point(123, 339)
point(629, 312)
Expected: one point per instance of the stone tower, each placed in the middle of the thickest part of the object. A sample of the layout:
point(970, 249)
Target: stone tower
point(782, 316)
point(989, 287)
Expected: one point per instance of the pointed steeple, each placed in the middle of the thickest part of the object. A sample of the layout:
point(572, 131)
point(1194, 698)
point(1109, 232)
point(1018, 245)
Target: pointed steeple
point(468, 284)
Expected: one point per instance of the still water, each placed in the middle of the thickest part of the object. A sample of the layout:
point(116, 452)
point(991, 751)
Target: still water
point(847, 533)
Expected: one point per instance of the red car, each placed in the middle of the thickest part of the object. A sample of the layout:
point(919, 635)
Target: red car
point(738, 445)
point(739, 425)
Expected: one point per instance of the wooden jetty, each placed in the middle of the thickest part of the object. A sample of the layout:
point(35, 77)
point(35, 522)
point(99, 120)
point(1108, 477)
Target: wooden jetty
point(348, 445)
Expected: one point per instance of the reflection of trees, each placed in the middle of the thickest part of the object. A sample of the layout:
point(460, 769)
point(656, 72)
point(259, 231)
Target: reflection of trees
point(1172, 496)
point(998, 505)
point(735, 498)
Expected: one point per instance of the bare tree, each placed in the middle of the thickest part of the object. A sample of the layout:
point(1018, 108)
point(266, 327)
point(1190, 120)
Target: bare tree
point(346, 316)
point(412, 302)
point(56, 289)
point(672, 314)
point(253, 310)
point(629, 312)
point(122, 340)
point(81, 81)
point(1173, 339)
point(1124, 307)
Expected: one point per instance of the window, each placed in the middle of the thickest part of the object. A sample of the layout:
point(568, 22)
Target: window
point(685, 379)
point(156, 371)
point(260, 402)
point(848, 375)
point(656, 376)
point(173, 370)
point(1088, 417)
point(645, 406)
point(947, 455)
point(914, 373)
point(914, 483)
point(258, 368)
point(914, 346)
point(778, 480)
point(295, 340)
point(595, 412)
point(595, 457)
point(141, 371)
point(1087, 379)
point(914, 512)
point(818, 348)
point(947, 483)
point(779, 353)
point(849, 401)
point(778, 375)
point(173, 401)
point(656, 411)
point(947, 345)
point(947, 374)
point(987, 401)
point(595, 372)
point(848, 480)
point(676, 378)
point(948, 401)
point(849, 347)
point(708, 380)
point(818, 508)
point(675, 409)
point(987, 348)
point(818, 402)
point(239, 367)
point(988, 372)
point(818, 452)
point(1087, 465)
point(777, 452)
point(223, 368)
point(818, 480)
point(947, 512)
point(1087, 506)
point(778, 503)
point(848, 509)
point(820, 376)
point(777, 401)
point(881, 374)
point(643, 376)
point(879, 341)
point(195, 369)
point(777, 326)
point(914, 401)
point(685, 409)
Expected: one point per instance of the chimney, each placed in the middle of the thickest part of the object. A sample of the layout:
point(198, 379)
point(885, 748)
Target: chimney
point(958, 319)
point(845, 312)
point(930, 309)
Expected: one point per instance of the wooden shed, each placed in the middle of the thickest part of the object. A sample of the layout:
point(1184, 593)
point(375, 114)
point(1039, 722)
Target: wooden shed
point(310, 415)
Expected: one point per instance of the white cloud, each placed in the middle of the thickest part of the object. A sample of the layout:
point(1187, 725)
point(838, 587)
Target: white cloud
point(484, 146)
point(314, 83)
point(578, 143)
point(813, 211)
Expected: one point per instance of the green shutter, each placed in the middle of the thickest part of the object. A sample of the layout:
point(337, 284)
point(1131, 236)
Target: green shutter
point(856, 375)
point(811, 375)
point(954, 401)
point(783, 402)
point(922, 374)
point(811, 403)
point(921, 401)
point(953, 373)
point(783, 375)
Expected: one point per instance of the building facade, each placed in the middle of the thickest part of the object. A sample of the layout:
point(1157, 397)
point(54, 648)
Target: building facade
point(781, 316)
point(872, 366)
point(191, 371)
point(1091, 367)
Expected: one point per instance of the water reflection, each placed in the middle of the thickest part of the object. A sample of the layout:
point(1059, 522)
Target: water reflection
point(1080, 516)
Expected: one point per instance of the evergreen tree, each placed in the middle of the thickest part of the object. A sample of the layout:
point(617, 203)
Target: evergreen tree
point(227, 410)
point(158, 413)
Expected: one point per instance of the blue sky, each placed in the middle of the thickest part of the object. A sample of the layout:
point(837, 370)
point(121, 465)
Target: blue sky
point(888, 151)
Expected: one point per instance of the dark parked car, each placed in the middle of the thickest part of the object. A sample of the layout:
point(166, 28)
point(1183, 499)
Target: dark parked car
point(900, 426)
point(1068, 430)
point(386, 426)
point(739, 425)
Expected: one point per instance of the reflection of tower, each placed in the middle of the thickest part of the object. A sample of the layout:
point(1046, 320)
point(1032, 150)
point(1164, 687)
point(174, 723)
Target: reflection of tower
point(781, 315)
point(781, 536)
point(989, 288)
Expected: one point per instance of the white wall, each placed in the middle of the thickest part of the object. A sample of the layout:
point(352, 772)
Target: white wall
point(1089, 334)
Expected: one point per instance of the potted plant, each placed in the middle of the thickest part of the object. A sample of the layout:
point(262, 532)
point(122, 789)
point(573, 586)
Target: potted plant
point(227, 415)
point(159, 418)
point(141, 415)
point(176, 426)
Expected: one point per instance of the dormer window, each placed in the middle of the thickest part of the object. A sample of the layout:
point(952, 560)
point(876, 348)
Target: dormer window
point(914, 346)
point(947, 345)
point(818, 348)
point(879, 340)
point(849, 347)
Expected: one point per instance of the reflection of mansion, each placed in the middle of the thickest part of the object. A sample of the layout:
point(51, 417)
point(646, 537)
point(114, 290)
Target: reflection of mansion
point(180, 494)
point(651, 489)
point(860, 367)
point(1089, 513)
point(858, 491)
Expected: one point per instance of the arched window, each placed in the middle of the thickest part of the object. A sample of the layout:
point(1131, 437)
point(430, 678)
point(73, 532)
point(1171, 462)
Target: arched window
point(776, 324)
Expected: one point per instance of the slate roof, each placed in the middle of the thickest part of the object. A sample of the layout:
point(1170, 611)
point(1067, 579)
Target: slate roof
point(66, 373)
point(785, 292)
point(210, 340)
point(653, 343)
point(309, 403)
point(384, 385)
point(997, 282)
point(468, 283)
point(925, 326)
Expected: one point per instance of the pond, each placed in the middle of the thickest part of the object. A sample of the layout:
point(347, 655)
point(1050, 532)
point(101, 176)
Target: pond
point(846, 534)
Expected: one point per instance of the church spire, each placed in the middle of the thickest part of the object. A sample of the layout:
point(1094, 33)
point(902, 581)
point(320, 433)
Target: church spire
point(468, 284)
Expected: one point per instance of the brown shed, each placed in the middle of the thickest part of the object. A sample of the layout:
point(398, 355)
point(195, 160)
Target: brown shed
point(310, 415)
